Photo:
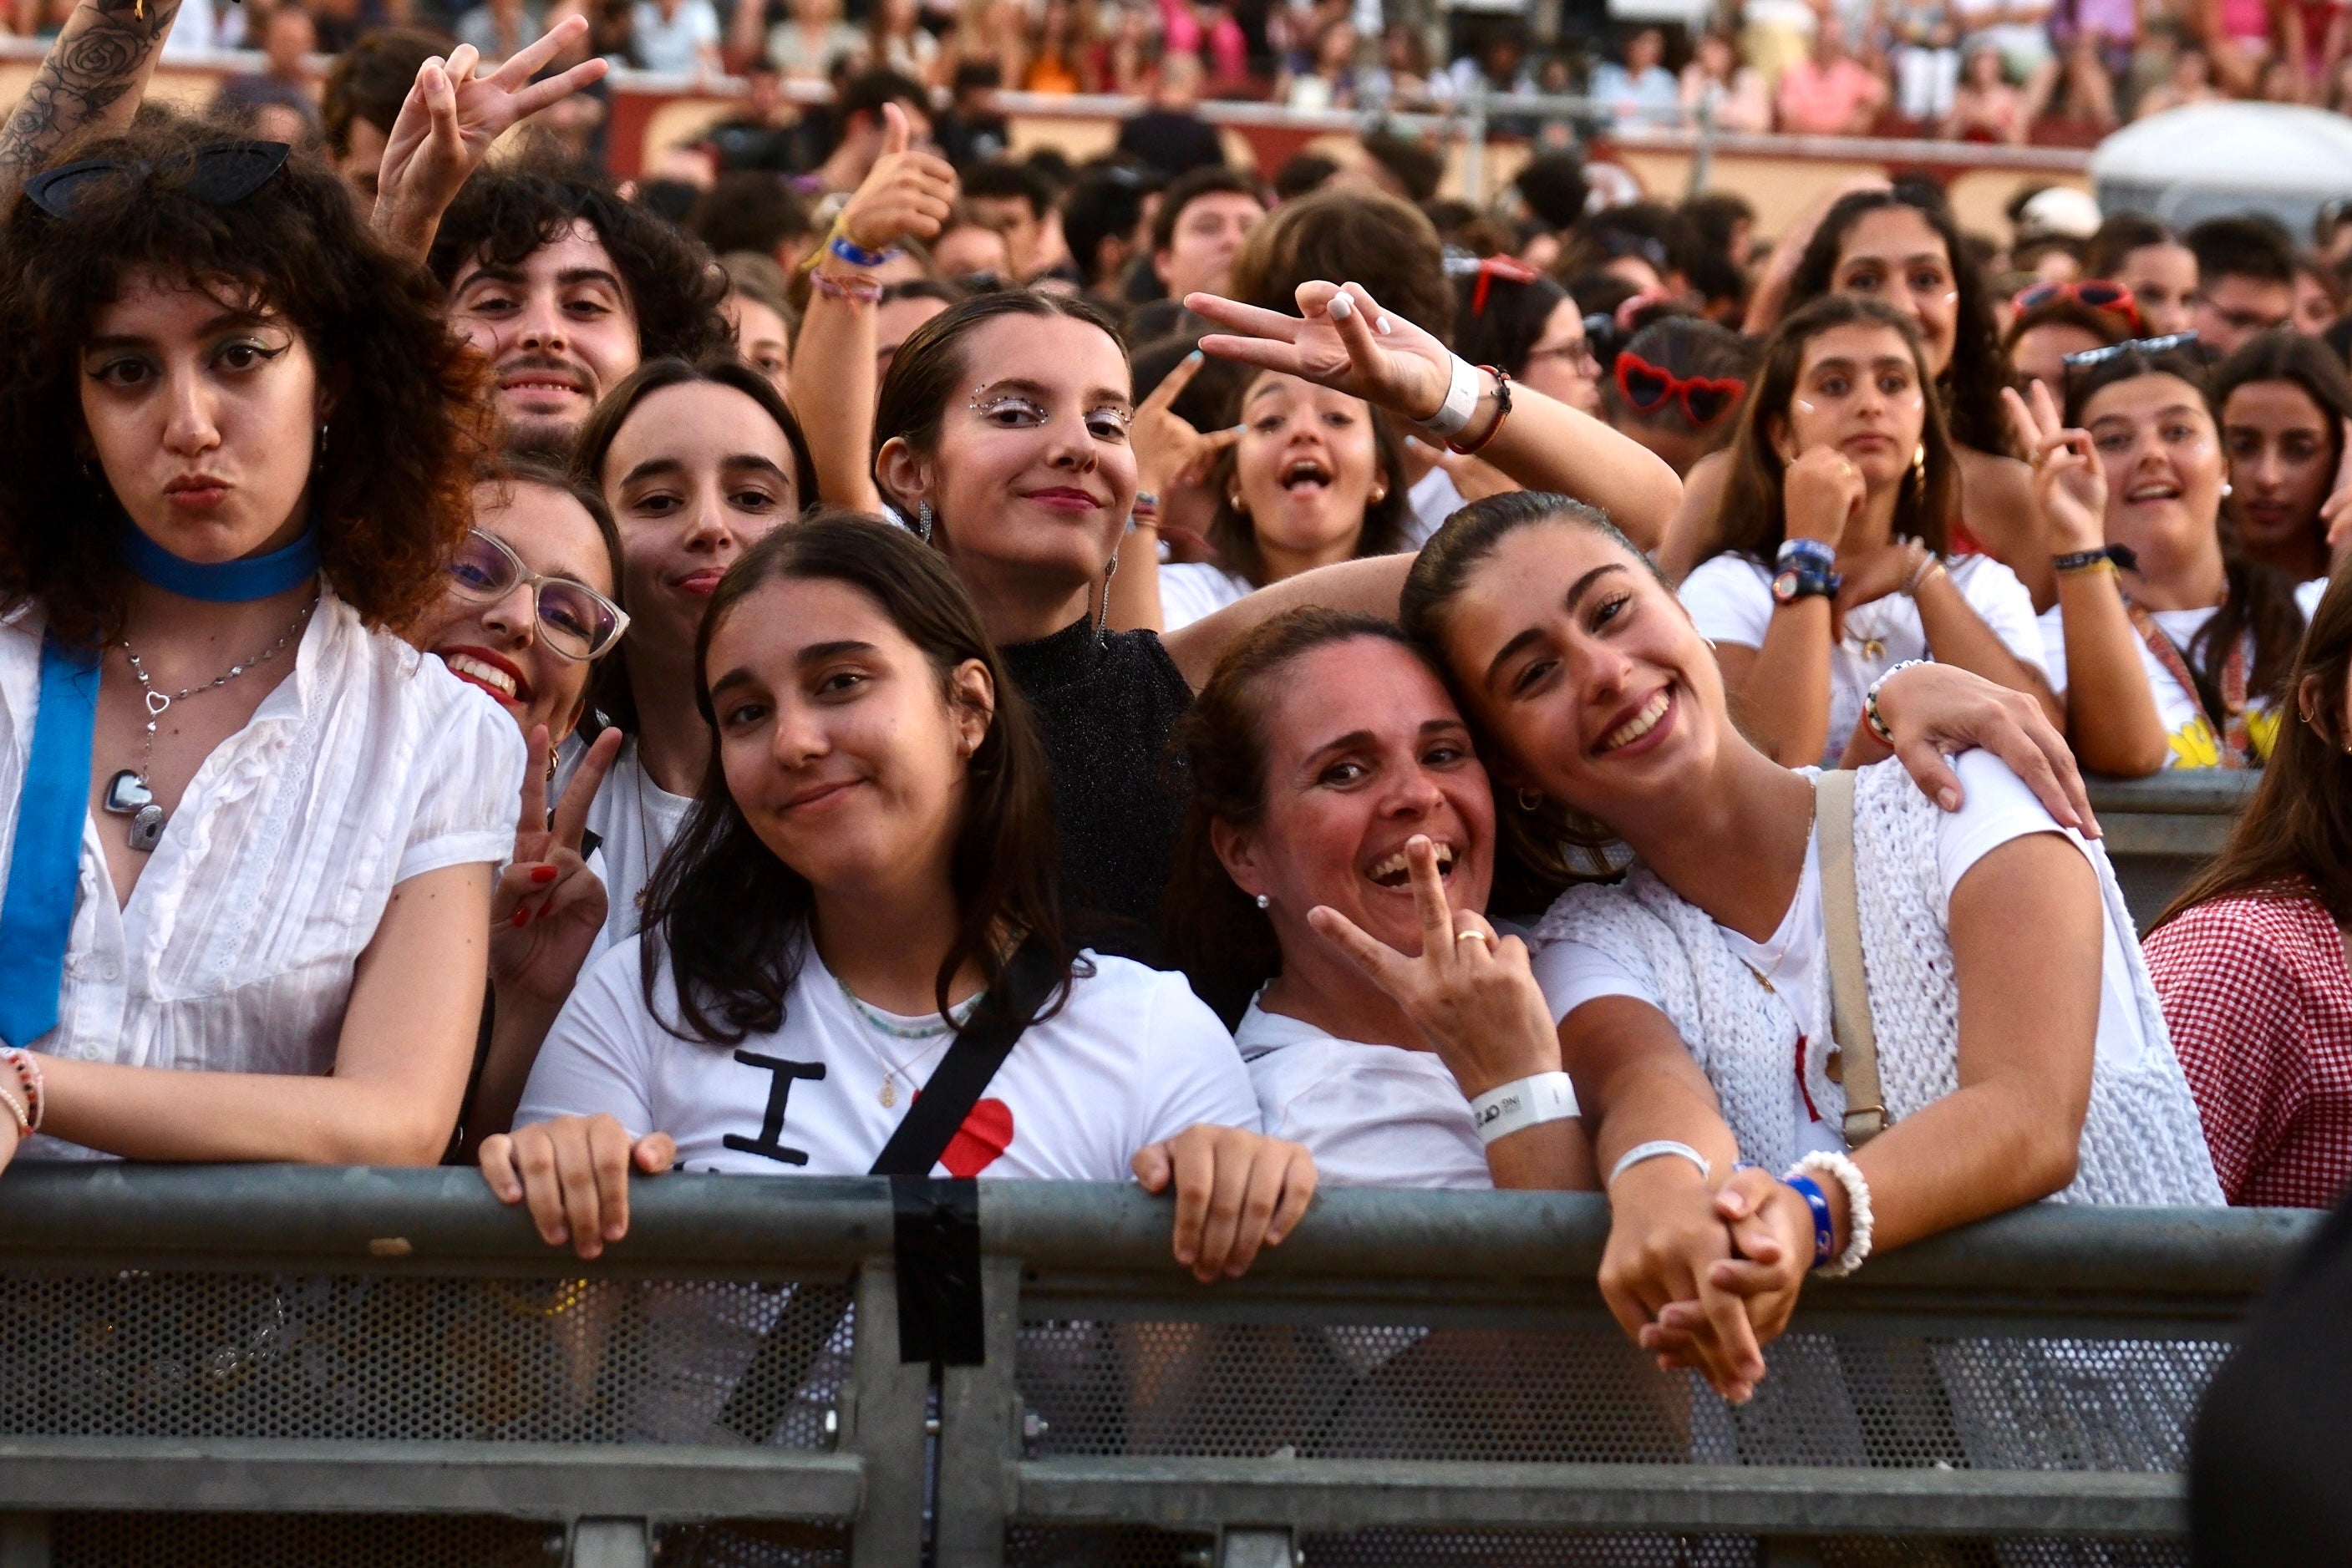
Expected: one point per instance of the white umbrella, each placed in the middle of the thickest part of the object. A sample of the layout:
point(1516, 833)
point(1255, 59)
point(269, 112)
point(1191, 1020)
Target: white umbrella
point(2211, 159)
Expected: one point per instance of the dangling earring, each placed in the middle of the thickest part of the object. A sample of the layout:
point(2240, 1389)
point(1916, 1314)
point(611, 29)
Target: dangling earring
point(319, 452)
point(1262, 901)
point(1102, 617)
point(1530, 800)
point(923, 520)
point(1919, 474)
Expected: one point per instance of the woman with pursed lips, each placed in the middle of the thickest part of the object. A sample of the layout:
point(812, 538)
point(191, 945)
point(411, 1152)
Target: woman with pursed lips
point(526, 618)
point(697, 465)
point(240, 444)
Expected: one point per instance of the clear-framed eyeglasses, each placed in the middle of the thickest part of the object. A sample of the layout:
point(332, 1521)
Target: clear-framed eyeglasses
point(574, 619)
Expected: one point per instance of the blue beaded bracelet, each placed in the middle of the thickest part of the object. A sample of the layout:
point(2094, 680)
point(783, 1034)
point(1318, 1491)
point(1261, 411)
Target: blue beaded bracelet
point(857, 254)
point(1825, 1233)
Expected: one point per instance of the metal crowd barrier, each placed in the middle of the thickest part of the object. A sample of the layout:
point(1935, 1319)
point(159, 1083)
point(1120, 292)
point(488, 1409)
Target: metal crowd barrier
point(275, 1365)
point(2161, 830)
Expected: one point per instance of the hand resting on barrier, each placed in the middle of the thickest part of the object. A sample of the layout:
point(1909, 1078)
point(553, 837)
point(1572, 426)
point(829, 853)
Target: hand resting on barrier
point(573, 1175)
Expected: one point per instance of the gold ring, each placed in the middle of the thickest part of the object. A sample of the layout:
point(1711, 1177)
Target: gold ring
point(1471, 935)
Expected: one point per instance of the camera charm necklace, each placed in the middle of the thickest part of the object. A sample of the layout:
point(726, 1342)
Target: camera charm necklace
point(127, 793)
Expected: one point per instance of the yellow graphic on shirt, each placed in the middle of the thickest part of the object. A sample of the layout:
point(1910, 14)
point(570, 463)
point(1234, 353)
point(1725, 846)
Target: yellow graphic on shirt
point(2195, 745)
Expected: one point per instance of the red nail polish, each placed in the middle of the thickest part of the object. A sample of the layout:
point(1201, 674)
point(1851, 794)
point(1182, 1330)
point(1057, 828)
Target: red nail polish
point(543, 873)
point(521, 919)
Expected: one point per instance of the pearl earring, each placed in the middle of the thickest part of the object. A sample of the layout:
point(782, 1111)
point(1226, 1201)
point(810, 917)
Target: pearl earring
point(1262, 901)
point(2225, 489)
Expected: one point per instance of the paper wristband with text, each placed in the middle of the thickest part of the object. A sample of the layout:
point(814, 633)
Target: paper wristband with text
point(1529, 1102)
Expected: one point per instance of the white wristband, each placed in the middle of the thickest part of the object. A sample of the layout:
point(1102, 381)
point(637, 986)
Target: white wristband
point(1653, 1150)
point(1858, 1220)
point(1461, 402)
point(1545, 1097)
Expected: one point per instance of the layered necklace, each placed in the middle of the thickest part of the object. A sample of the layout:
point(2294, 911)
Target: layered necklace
point(928, 1032)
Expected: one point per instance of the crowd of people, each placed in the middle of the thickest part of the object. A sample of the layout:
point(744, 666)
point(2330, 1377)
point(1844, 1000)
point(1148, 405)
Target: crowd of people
point(1233, 685)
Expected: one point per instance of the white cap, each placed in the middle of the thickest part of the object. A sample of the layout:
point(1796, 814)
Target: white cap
point(2062, 209)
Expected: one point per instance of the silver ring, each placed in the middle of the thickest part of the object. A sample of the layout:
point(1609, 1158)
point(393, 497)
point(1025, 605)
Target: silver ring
point(1474, 934)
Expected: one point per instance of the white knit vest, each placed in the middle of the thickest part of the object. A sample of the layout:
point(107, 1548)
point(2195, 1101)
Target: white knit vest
point(2142, 1142)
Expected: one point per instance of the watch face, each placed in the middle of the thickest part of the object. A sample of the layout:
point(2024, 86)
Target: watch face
point(1784, 586)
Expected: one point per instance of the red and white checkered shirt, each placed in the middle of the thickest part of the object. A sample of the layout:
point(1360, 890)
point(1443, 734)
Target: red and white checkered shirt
point(2259, 1003)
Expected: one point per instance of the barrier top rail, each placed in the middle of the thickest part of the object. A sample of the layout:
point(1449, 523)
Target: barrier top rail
point(443, 1220)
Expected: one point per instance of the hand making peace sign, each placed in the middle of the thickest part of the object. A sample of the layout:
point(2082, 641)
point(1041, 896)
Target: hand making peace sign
point(548, 905)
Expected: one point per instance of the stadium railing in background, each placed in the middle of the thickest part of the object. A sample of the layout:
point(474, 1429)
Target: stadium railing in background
point(264, 1367)
point(2159, 831)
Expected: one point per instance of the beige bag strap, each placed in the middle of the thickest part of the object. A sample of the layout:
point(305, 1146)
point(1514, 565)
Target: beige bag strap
point(1850, 1025)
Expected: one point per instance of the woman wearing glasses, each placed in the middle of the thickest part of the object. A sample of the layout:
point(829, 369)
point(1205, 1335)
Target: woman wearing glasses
point(697, 464)
point(526, 614)
point(2169, 650)
point(249, 832)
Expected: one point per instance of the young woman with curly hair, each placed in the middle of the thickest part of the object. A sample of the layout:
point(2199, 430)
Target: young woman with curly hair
point(248, 829)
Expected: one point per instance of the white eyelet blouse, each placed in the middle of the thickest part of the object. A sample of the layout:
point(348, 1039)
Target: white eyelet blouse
point(370, 764)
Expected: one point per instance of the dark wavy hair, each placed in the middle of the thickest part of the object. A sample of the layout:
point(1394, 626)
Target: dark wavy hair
point(1750, 517)
point(2297, 829)
point(732, 919)
point(928, 369)
point(393, 488)
point(2259, 599)
point(1972, 383)
point(1217, 756)
point(616, 700)
point(1497, 318)
point(1388, 522)
point(676, 287)
point(1539, 849)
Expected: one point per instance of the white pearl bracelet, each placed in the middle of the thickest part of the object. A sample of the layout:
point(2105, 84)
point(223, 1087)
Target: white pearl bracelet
point(1857, 1209)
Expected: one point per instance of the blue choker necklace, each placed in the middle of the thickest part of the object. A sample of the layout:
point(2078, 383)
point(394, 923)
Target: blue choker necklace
point(226, 582)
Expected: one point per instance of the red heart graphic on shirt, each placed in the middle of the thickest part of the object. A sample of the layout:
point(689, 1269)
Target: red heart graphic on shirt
point(986, 1134)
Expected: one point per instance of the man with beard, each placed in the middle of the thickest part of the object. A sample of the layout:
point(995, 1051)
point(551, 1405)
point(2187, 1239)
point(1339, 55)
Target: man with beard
point(566, 288)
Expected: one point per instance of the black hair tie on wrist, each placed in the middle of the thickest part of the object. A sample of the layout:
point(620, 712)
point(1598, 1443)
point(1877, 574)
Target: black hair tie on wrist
point(2075, 560)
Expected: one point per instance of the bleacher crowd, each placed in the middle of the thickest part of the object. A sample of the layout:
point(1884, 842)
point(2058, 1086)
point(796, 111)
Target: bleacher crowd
point(1239, 684)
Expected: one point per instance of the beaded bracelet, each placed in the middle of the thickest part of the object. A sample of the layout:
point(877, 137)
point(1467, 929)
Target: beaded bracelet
point(1858, 1220)
point(1870, 714)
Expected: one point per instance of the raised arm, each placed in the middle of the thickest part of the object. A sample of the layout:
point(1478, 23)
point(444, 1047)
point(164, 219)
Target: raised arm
point(89, 84)
point(907, 194)
point(1344, 340)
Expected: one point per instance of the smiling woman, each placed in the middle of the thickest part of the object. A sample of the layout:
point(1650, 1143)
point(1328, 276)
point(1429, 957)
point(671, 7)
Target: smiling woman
point(249, 832)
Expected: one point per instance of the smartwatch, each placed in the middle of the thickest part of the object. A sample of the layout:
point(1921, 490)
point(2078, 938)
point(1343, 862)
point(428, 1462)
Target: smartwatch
point(1804, 582)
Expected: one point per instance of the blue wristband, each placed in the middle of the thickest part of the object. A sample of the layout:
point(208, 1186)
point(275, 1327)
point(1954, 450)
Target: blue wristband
point(857, 254)
point(1815, 552)
point(1825, 1233)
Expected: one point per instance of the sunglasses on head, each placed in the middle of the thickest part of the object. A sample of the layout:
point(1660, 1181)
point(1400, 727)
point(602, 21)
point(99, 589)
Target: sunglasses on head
point(574, 619)
point(221, 172)
point(1648, 388)
point(2089, 357)
point(2098, 293)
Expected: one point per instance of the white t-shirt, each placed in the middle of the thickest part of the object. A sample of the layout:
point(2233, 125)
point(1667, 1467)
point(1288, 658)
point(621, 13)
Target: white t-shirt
point(1132, 1057)
point(369, 763)
point(1729, 597)
point(1998, 809)
point(1191, 590)
point(1373, 1116)
point(674, 43)
point(636, 819)
point(2194, 744)
point(2017, 42)
point(1434, 498)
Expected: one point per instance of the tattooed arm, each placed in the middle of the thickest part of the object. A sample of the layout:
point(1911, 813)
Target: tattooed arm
point(89, 86)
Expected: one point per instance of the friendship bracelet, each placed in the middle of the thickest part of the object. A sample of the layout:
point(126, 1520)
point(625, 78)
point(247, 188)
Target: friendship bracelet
point(863, 290)
point(1824, 1231)
point(1502, 412)
point(1145, 514)
point(1920, 574)
point(1655, 1149)
point(2113, 556)
point(1858, 1218)
point(1812, 552)
point(857, 254)
point(1870, 714)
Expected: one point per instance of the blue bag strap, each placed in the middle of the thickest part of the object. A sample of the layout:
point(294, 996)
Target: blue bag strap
point(45, 865)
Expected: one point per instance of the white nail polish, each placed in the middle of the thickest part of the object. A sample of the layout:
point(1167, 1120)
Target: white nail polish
point(1385, 326)
point(1341, 307)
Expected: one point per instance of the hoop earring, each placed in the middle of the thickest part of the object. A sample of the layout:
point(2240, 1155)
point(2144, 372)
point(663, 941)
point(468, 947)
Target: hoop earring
point(1530, 800)
point(1262, 901)
point(923, 520)
point(1102, 616)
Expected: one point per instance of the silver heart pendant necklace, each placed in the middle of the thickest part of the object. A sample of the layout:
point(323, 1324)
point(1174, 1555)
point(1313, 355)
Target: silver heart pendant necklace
point(127, 793)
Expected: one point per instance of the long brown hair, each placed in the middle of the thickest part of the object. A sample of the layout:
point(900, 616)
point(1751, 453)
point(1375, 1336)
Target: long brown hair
point(732, 919)
point(1751, 516)
point(2297, 829)
point(1386, 521)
